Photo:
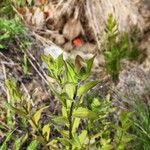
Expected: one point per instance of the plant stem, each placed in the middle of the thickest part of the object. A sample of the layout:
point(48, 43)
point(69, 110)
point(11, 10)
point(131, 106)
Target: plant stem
point(122, 133)
point(44, 142)
point(70, 124)
point(70, 117)
point(9, 116)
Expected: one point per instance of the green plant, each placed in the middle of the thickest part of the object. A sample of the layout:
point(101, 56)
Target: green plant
point(9, 29)
point(18, 142)
point(141, 124)
point(104, 126)
point(118, 46)
point(17, 106)
point(68, 78)
point(84, 122)
point(13, 96)
point(33, 145)
point(77, 108)
point(8, 137)
point(100, 128)
point(122, 137)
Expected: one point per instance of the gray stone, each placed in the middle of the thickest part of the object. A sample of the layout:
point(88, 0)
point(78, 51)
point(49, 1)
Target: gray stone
point(133, 82)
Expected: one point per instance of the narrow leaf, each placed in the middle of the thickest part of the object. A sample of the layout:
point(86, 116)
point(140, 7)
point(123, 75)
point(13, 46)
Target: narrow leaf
point(76, 123)
point(89, 64)
point(33, 145)
point(18, 143)
point(86, 87)
point(64, 133)
point(84, 113)
point(69, 89)
point(61, 120)
point(46, 131)
point(70, 72)
point(18, 111)
point(37, 115)
point(8, 137)
point(83, 136)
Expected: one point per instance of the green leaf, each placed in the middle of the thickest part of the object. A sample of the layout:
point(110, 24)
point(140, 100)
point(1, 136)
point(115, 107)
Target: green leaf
point(69, 89)
point(53, 143)
point(83, 136)
point(5, 36)
point(75, 125)
point(111, 25)
point(49, 61)
point(59, 62)
point(70, 72)
point(33, 145)
point(76, 142)
point(95, 104)
point(30, 2)
point(18, 143)
point(25, 137)
point(106, 144)
point(68, 104)
point(37, 115)
point(85, 71)
point(4, 146)
point(89, 63)
point(64, 112)
point(8, 137)
point(58, 66)
point(55, 66)
point(42, 141)
point(84, 113)
point(61, 120)
point(46, 131)
point(18, 111)
point(63, 97)
point(34, 128)
point(125, 119)
point(64, 133)
point(1, 46)
point(86, 87)
point(14, 92)
point(64, 141)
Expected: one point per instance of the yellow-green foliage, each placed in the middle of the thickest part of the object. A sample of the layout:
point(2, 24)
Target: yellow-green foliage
point(70, 88)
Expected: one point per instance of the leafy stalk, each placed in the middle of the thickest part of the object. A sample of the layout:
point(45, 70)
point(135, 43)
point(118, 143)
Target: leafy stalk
point(70, 116)
point(44, 142)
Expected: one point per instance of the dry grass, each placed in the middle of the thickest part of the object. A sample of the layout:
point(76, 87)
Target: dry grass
point(93, 14)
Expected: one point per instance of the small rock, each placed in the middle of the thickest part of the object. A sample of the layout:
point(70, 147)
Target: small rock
point(133, 82)
point(54, 51)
